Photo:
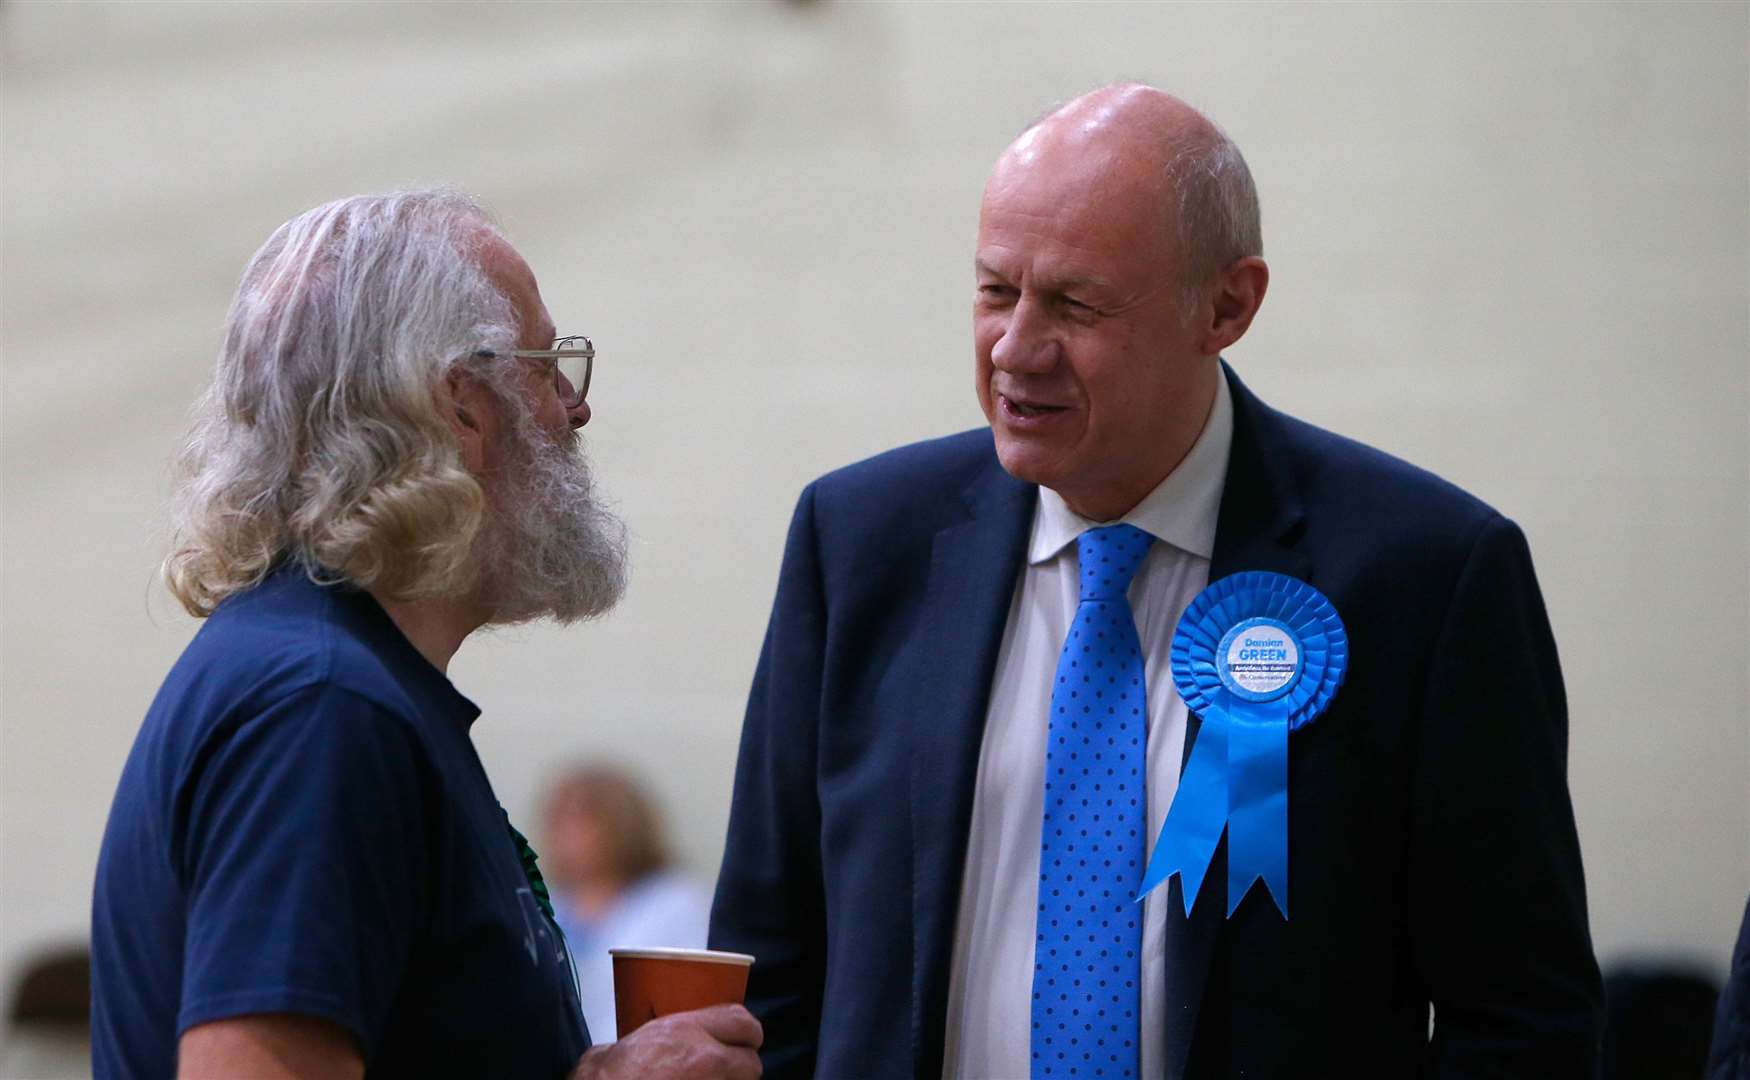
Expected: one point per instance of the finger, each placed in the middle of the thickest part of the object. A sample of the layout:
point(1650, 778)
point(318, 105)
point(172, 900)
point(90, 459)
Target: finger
point(744, 1064)
point(731, 1024)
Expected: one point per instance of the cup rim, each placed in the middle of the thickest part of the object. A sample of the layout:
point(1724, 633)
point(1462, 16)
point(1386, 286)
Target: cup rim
point(658, 952)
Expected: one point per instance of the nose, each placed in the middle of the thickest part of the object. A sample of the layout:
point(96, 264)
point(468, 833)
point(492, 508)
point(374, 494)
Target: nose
point(1028, 345)
point(578, 414)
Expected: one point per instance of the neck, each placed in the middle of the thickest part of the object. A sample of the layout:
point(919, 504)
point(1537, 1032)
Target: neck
point(435, 627)
point(594, 897)
point(1113, 502)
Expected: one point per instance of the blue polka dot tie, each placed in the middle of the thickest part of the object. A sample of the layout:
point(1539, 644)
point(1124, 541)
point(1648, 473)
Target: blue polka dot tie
point(1087, 956)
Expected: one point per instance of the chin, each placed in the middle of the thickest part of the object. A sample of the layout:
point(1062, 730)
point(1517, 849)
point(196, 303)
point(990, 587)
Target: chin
point(1025, 463)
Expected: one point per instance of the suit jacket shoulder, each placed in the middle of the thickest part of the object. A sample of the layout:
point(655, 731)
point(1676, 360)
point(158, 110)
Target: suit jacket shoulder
point(915, 479)
point(885, 510)
point(1354, 508)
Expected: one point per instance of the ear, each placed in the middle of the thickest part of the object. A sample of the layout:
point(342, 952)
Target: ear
point(467, 406)
point(1239, 292)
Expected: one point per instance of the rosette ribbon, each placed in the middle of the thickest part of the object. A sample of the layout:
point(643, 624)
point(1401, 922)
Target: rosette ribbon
point(1256, 655)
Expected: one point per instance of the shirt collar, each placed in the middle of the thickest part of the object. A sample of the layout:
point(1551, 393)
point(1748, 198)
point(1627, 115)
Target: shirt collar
point(1181, 510)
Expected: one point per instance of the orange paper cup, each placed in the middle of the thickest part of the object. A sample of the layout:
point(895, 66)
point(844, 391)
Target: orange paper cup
point(649, 983)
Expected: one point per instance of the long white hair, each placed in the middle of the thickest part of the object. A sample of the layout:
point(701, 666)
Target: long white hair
point(320, 439)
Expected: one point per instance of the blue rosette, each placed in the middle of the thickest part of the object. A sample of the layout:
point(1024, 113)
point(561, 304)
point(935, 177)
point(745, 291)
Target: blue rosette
point(1256, 655)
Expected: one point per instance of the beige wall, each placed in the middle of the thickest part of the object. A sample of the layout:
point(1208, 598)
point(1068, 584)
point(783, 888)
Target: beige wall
point(1509, 243)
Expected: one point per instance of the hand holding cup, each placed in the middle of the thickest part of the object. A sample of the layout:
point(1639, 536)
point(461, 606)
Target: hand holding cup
point(679, 1014)
point(720, 1042)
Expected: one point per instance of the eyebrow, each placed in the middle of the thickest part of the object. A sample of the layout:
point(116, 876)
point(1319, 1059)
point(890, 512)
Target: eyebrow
point(1056, 285)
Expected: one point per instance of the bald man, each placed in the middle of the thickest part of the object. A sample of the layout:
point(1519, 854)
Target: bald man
point(897, 851)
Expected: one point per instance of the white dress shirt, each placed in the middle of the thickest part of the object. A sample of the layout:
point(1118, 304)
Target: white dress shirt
point(990, 988)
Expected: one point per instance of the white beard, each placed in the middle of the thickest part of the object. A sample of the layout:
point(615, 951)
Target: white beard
point(549, 546)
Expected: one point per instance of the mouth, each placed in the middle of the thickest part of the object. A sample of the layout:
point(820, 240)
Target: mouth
point(1017, 409)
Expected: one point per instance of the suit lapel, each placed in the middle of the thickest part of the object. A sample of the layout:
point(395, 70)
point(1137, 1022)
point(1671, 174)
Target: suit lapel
point(1259, 521)
point(973, 568)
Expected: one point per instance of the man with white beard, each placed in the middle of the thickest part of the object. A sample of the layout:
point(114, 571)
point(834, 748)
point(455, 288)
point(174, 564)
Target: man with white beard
point(305, 871)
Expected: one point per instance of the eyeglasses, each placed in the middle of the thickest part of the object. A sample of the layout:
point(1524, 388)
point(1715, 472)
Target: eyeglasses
point(573, 358)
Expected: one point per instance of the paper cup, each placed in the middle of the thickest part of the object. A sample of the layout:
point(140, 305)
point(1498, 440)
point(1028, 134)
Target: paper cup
point(649, 983)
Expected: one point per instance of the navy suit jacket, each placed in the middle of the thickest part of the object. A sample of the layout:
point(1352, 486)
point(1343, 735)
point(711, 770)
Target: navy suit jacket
point(1433, 857)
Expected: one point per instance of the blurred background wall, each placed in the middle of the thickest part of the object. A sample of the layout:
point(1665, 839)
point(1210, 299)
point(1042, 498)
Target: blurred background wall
point(1509, 243)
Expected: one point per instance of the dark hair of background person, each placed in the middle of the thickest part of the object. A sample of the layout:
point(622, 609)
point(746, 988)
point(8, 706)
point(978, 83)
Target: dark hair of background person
point(55, 990)
point(47, 1028)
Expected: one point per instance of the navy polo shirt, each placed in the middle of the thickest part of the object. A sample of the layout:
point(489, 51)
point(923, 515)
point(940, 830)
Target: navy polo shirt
point(303, 826)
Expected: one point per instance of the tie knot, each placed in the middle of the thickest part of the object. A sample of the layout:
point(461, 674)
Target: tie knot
point(1110, 556)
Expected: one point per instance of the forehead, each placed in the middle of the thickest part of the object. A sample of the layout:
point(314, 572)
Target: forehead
point(511, 273)
point(1087, 218)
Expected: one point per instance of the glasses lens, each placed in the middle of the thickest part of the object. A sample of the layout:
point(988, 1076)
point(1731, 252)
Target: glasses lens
point(574, 375)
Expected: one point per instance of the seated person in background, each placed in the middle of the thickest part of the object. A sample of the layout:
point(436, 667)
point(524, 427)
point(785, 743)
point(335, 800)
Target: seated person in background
point(608, 865)
point(48, 1017)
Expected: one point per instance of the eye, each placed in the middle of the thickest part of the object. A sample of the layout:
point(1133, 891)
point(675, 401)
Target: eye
point(993, 292)
point(1079, 309)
